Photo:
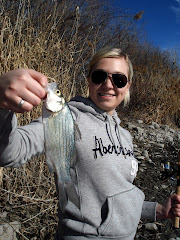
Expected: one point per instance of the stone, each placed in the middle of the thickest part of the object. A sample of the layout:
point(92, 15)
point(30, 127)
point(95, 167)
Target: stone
point(140, 131)
point(145, 154)
point(139, 121)
point(151, 126)
point(160, 145)
point(165, 127)
point(151, 226)
point(140, 157)
point(150, 161)
point(169, 138)
point(8, 230)
point(131, 126)
point(163, 186)
point(172, 131)
point(156, 125)
point(4, 215)
point(1, 230)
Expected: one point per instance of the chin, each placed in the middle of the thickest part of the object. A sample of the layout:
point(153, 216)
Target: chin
point(106, 109)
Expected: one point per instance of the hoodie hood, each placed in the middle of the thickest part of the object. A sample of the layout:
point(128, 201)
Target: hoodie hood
point(87, 105)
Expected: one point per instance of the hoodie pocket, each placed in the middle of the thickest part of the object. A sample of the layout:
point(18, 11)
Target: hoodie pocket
point(124, 212)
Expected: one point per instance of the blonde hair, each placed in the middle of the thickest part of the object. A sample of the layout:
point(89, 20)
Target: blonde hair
point(110, 52)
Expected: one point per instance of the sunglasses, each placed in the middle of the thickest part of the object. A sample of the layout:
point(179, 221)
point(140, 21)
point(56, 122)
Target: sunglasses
point(99, 76)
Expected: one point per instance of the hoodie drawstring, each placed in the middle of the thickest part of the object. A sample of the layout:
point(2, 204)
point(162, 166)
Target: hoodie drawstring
point(109, 133)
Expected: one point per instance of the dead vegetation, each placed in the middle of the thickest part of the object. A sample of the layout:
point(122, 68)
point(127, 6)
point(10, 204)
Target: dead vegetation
point(58, 38)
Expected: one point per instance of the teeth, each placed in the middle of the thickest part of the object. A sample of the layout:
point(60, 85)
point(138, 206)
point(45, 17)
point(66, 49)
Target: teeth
point(107, 95)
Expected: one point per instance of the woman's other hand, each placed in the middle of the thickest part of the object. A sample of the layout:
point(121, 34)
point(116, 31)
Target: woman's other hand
point(170, 208)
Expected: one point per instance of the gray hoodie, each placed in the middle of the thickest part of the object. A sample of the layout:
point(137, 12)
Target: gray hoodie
point(103, 173)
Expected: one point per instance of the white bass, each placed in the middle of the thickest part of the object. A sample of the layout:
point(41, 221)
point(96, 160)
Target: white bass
point(59, 133)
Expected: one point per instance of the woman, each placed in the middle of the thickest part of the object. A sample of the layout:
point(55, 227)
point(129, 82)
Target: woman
point(110, 205)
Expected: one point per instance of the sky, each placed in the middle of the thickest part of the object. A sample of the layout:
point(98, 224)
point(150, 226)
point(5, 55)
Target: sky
point(161, 20)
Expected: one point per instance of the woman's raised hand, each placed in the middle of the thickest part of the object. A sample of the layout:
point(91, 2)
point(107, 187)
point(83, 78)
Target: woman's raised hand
point(22, 84)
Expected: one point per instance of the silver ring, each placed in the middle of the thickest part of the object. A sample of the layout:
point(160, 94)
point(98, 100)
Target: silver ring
point(21, 103)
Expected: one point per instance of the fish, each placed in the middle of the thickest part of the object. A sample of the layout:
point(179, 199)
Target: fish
point(59, 133)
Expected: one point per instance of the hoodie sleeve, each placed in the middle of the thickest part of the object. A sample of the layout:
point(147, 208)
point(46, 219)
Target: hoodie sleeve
point(19, 144)
point(149, 211)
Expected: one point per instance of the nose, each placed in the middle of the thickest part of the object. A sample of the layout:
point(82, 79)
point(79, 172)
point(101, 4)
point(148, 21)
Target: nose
point(109, 81)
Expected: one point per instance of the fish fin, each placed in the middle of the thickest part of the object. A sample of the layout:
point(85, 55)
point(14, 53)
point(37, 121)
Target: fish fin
point(77, 132)
point(72, 195)
point(63, 198)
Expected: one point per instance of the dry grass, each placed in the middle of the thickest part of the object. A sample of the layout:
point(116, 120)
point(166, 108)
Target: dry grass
point(156, 94)
point(56, 48)
point(28, 193)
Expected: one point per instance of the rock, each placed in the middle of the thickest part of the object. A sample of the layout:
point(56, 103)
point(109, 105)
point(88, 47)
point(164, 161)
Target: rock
point(8, 230)
point(169, 138)
point(141, 169)
point(151, 126)
point(172, 131)
point(160, 145)
point(163, 186)
point(150, 161)
point(140, 157)
point(4, 215)
point(165, 127)
point(1, 230)
point(151, 226)
point(139, 121)
point(131, 126)
point(155, 125)
point(145, 154)
point(139, 130)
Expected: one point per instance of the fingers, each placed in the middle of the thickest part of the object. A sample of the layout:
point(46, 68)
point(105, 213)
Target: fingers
point(40, 81)
point(176, 205)
point(26, 84)
point(176, 210)
point(39, 77)
point(25, 107)
point(175, 198)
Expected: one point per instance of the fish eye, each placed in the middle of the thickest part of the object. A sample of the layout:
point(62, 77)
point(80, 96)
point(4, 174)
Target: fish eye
point(57, 92)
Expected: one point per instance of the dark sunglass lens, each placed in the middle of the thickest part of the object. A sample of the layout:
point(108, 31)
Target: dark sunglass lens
point(98, 77)
point(119, 80)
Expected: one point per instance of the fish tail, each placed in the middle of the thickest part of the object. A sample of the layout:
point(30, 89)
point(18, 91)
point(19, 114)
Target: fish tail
point(63, 198)
point(72, 195)
point(67, 192)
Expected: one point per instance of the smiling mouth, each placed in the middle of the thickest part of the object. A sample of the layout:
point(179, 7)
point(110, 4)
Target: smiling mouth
point(106, 95)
